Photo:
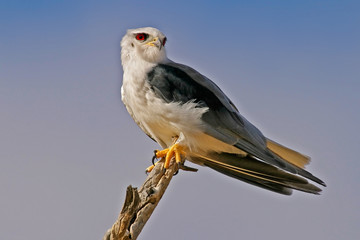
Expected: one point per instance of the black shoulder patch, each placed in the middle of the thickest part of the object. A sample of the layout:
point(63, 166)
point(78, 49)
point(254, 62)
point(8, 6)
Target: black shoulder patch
point(174, 85)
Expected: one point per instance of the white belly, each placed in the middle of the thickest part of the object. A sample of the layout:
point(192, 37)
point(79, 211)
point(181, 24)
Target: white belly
point(162, 121)
point(158, 119)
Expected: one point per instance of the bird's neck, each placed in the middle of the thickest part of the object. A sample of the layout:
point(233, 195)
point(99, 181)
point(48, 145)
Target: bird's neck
point(131, 61)
point(137, 66)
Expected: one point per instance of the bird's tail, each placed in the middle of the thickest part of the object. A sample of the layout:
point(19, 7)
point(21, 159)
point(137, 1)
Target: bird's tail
point(258, 173)
point(289, 155)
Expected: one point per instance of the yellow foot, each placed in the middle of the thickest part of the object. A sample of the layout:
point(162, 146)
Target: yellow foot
point(174, 151)
point(150, 168)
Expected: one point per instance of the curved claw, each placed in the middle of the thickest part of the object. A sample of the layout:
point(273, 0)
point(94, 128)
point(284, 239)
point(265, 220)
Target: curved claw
point(179, 167)
point(153, 158)
point(175, 151)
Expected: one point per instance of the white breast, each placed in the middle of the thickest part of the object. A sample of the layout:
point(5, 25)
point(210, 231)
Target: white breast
point(158, 119)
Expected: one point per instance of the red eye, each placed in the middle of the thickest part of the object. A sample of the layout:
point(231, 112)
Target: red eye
point(141, 36)
point(164, 41)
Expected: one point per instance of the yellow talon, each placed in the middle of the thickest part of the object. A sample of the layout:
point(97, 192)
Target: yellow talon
point(169, 156)
point(174, 151)
point(149, 169)
point(177, 157)
point(161, 153)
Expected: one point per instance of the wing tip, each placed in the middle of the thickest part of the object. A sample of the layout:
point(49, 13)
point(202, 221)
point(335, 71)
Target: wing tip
point(258, 173)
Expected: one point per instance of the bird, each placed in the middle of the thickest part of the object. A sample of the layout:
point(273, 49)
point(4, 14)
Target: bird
point(192, 119)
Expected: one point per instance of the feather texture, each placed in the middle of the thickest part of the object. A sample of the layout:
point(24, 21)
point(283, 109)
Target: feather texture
point(289, 155)
point(255, 172)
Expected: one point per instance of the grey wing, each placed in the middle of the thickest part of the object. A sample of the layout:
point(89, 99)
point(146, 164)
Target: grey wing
point(228, 125)
point(179, 83)
point(233, 126)
point(175, 82)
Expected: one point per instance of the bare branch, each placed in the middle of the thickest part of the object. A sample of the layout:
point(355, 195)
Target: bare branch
point(139, 204)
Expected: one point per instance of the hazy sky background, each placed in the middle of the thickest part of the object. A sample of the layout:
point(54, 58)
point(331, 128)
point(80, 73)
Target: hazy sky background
point(69, 149)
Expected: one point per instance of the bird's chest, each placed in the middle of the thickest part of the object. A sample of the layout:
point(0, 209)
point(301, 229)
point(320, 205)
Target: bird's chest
point(159, 119)
point(151, 113)
point(141, 101)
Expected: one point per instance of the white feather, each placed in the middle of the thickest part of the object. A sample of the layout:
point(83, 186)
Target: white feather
point(160, 120)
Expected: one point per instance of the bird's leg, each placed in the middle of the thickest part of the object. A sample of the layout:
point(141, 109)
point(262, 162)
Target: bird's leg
point(176, 151)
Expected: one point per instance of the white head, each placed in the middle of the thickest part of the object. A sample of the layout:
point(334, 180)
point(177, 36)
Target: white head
point(144, 43)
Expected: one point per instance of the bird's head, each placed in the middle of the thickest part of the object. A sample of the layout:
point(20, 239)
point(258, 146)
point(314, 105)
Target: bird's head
point(146, 43)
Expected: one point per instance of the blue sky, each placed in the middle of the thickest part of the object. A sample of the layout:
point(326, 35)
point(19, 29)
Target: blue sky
point(68, 148)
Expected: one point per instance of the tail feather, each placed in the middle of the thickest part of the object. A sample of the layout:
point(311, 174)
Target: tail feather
point(296, 159)
point(255, 172)
point(287, 154)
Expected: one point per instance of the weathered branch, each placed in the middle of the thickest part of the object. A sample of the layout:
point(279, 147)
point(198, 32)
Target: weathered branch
point(139, 204)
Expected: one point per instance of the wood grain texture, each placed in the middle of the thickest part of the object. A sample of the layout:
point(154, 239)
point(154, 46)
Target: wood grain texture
point(140, 204)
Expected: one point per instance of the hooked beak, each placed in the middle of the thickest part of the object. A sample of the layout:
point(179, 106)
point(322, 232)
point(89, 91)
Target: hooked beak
point(155, 43)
